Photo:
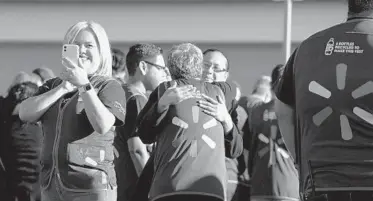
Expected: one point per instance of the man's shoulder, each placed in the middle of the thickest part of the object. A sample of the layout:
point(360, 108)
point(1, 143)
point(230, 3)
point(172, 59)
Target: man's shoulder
point(254, 101)
point(327, 33)
point(132, 94)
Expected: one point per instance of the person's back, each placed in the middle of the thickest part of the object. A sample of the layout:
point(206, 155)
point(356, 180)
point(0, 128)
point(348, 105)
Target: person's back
point(24, 159)
point(272, 170)
point(189, 156)
point(337, 111)
point(22, 142)
point(195, 161)
point(330, 76)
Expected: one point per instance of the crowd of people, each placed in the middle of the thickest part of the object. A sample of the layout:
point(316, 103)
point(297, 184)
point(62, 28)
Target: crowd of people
point(138, 126)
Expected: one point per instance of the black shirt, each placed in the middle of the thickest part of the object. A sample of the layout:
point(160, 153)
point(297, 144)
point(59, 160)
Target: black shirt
point(125, 170)
point(189, 156)
point(272, 170)
point(328, 82)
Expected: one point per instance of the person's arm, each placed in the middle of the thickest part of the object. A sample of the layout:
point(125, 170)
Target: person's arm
point(138, 153)
point(225, 112)
point(150, 118)
point(33, 108)
point(136, 147)
point(284, 106)
point(246, 143)
point(250, 139)
point(105, 108)
point(285, 116)
point(233, 139)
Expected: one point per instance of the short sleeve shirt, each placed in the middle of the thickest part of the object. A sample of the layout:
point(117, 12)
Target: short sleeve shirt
point(328, 83)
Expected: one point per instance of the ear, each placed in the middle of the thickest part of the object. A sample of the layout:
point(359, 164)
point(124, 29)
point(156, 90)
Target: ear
point(143, 67)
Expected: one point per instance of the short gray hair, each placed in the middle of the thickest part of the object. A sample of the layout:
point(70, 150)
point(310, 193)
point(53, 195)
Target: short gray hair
point(185, 61)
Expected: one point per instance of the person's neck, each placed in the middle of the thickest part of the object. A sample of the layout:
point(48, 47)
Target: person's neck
point(137, 84)
point(364, 14)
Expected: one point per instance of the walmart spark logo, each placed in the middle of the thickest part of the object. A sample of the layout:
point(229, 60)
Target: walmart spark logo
point(361, 91)
point(274, 142)
point(209, 124)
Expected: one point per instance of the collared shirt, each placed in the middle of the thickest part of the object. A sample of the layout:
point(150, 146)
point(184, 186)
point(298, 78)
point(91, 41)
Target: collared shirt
point(328, 82)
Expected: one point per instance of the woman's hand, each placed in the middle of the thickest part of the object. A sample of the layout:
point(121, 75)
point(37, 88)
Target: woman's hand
point(67, 87)
point(73, 73)
point(216, 109)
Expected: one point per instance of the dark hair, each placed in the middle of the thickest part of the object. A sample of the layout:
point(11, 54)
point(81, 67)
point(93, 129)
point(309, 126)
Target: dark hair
point(140, 52)
point(358, 6)
point(44, 73)
point(119, 60)
point(216, 50)
point(276, 75)
point(22, 91)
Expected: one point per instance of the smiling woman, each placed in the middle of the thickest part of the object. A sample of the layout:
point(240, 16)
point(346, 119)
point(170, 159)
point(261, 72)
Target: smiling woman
point(83, 103)
point(95, 53)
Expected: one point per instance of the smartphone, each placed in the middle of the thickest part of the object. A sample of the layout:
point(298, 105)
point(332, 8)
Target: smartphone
point(71, 52)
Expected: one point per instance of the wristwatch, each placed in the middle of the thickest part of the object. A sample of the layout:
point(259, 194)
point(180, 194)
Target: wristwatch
point(85, 88)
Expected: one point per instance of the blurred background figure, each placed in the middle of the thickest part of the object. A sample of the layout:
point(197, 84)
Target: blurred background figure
point(22, 77)
point(119, 65)
point(20, 142)
point(43, 74)
point(272, 170)
point(261, 93)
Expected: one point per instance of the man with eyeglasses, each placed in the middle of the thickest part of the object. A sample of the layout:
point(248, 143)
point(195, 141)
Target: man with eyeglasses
point(146, 69)
point(215, 66)
point(216, 69)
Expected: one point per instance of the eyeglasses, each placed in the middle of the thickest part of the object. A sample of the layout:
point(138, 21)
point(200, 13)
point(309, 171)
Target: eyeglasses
point(156, 65)
point(207, 66)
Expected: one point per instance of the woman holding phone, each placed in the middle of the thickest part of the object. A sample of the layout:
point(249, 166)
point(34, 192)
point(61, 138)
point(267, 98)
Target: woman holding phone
point(78, 111)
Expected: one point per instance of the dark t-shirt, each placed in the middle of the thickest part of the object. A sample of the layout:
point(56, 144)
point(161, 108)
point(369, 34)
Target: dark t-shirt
point(135, 103)
point(189, 157)
point(272, 170)
point(71, 147)
point(125, 169)
point(328, 82)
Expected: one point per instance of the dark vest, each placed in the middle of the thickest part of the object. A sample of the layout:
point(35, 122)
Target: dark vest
point(81, 158)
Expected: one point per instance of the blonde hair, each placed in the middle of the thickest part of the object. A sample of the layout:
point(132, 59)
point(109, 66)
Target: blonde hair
point(105, 68)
